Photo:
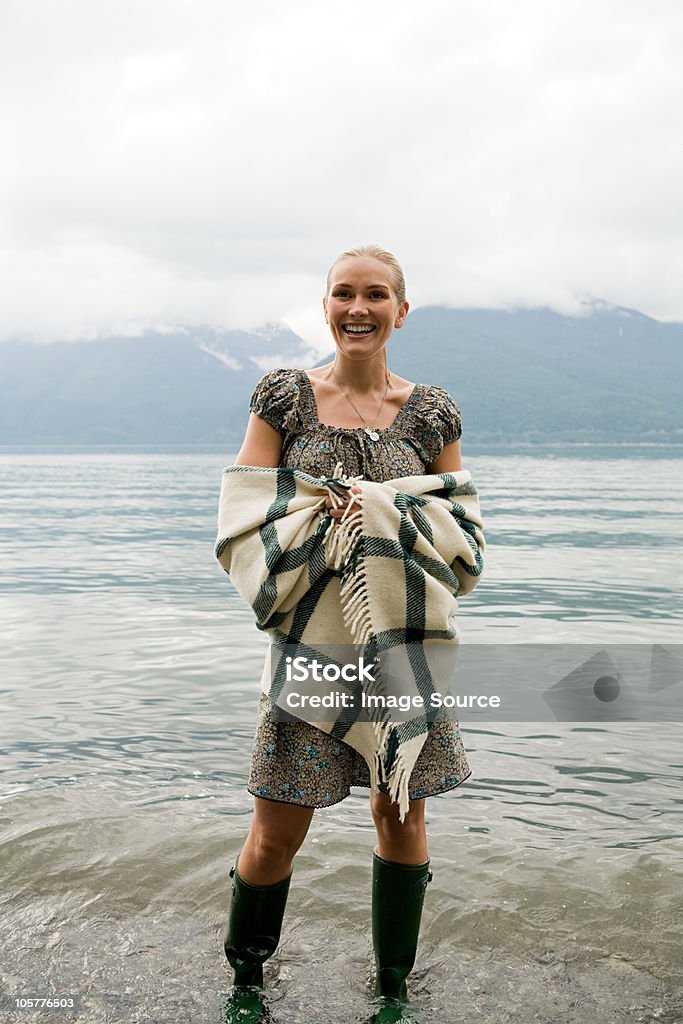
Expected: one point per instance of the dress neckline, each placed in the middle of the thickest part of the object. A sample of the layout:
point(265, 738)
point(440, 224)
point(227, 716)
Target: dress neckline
point(313, 408)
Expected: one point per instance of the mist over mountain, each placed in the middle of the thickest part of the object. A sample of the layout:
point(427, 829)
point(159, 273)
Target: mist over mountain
point(518, 375)
point(186, 386)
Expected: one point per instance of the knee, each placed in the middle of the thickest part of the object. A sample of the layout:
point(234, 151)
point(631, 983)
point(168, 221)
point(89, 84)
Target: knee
point(273, 848)
point(388, 824)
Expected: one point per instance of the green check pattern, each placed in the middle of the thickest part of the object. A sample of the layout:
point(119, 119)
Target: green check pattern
point(385, 578)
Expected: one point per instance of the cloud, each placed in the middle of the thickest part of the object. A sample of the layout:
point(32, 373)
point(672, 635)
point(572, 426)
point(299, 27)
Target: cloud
point(200, 162)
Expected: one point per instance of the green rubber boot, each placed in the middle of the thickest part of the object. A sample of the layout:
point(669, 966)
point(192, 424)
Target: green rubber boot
point(398, 892)
point(253, 933)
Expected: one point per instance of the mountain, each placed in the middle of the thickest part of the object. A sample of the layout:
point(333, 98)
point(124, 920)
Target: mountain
point(612, 375)
point(518, 375)
point(191, 385)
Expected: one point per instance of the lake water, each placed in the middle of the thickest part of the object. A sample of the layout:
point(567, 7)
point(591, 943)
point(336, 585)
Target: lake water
point(129, 681)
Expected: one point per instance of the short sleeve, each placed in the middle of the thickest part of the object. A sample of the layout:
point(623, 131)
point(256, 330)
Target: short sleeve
point(451, 422)
point(276, 399)
point(436, 423)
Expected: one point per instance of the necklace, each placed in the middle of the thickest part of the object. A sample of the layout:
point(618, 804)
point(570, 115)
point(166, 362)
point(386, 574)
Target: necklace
point(370, 431)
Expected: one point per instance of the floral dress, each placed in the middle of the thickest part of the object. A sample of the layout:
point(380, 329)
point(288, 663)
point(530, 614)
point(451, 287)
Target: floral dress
point(295, 762)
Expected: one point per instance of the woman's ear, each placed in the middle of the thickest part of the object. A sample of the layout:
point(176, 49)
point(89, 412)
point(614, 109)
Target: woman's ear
point(401, 315)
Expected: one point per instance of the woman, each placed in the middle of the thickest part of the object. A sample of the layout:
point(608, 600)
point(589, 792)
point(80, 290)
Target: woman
point(353, 410)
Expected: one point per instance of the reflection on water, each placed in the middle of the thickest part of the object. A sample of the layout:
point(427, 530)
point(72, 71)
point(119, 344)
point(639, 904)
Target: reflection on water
point(129, 678)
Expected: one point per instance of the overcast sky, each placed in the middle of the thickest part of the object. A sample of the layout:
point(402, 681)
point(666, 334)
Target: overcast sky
point(199, 161)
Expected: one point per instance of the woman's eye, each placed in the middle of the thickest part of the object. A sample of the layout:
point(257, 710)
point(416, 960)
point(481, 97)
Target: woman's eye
point(342, 293)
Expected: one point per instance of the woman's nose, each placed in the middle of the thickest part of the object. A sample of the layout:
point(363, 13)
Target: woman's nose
point(358, 307)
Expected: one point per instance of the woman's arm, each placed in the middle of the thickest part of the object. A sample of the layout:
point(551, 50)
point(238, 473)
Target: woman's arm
point(449, 461)
point(262, 445)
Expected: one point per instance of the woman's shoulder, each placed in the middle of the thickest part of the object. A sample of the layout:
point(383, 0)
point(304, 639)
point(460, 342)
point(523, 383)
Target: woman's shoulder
point(435, 420)
point(283, 377)
point(276, 397)
point(439, 406)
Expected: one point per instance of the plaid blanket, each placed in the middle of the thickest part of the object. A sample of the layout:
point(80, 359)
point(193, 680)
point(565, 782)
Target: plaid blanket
point(384, 578)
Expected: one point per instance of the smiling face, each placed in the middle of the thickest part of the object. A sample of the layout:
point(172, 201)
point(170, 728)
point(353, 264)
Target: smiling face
point(361, 306)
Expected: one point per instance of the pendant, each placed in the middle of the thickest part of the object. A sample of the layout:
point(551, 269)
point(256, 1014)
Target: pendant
point(372, 433)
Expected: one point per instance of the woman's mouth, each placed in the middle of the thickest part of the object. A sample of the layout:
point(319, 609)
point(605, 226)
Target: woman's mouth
point(356, 330)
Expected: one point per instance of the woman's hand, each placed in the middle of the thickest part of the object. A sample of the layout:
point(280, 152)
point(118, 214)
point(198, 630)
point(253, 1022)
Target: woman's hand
point(339, 511)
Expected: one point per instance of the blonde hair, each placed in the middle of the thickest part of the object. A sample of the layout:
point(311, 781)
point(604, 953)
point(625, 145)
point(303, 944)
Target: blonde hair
point(377, 253)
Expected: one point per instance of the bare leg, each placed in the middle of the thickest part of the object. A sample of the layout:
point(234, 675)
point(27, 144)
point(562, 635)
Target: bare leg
point(277, 831)
point(401, 843)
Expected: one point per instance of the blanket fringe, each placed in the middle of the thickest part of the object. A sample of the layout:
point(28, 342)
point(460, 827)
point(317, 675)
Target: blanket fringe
point(398, 778)
point(344, 547)
point(374, 768)
point(398, 785)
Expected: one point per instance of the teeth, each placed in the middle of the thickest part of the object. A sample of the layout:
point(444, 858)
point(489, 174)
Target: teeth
point(359, 329)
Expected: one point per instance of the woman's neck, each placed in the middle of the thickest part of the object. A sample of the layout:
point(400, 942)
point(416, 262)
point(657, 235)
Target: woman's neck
point(360, 375)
